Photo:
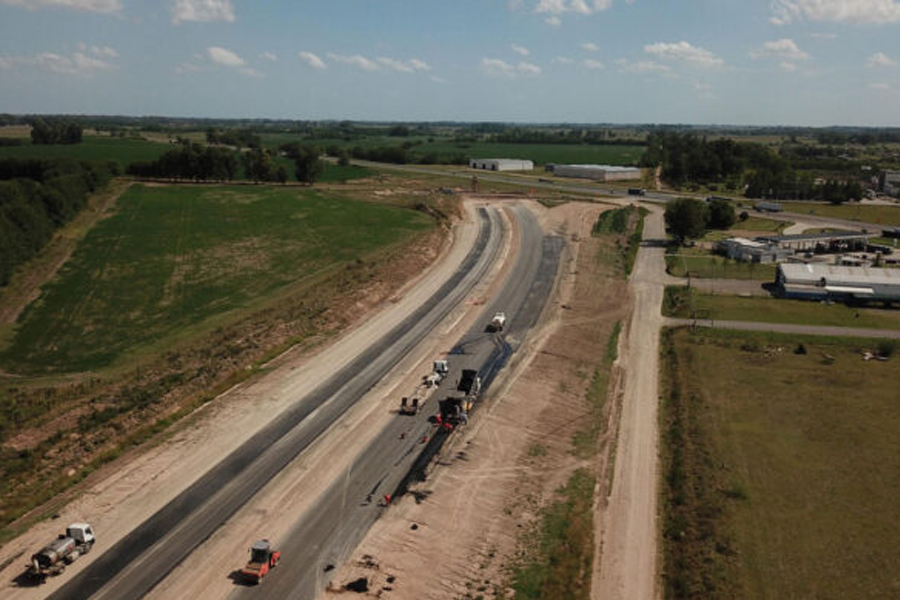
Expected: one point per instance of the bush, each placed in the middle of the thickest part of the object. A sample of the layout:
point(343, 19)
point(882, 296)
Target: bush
point(886, 348)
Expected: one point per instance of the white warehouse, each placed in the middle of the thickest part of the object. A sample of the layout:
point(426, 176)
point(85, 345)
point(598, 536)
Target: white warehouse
point(596, 172)
point(501, 164)
point(830, 282)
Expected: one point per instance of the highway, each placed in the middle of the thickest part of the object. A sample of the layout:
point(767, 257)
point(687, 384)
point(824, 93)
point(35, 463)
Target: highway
point(144, 557)
point(327, 535)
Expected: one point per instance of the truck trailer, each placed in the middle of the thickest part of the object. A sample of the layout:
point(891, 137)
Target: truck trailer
point(53, 558)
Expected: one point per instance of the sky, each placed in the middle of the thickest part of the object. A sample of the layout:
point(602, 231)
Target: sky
point(744, 62)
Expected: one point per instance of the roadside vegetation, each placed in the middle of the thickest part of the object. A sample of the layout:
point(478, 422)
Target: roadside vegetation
point(626, 227)
point(761, 496)
point(681, 302)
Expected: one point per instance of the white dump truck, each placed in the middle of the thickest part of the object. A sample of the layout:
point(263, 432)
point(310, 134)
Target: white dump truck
point(53, 558)
point(498, 322)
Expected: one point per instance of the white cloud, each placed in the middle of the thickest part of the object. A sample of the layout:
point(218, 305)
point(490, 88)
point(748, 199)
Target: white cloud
point(590, 63)
point(202, 11)
point(563, 60)
point(437, 79)
point(880, 86)
point(583, 7)
point(224, 57)
point(520, 50)
point(686, 53)
point(788, 67)
point(642, 66)
point(853, 11)
point(76, 64)
point(355, 60)
point(498, 67)
point(822, 35)
point(784, 48)
point(269, 56)
point(590, 46)
point(880, 59)
point(98, 6)
point(553, 21)
point(528, 68)
point(410, 66)
point(312, 60)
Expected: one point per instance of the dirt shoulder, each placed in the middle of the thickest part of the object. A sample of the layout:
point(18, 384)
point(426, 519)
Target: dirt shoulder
point(459, 533)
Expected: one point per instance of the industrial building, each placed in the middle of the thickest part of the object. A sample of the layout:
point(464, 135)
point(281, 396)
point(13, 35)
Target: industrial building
point(501, 164)
point(832, 241)
point(752, 250)
point(842, 284)
point(596, 172)
point(891, 183)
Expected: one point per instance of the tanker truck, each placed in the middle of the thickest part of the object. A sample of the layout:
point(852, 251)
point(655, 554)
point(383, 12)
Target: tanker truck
point(53, 558)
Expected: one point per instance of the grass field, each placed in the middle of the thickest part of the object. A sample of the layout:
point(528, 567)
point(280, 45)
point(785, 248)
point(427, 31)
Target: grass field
point(749, 228)
point(123, 151)
point(717, 267)
point(773, 310)
point(173, 258)
point(782, 470)
point(882, 215)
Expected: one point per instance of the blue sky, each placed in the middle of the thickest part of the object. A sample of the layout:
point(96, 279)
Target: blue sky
point(762, 62)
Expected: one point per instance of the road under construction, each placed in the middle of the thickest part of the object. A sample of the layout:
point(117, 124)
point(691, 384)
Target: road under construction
point(340, 516)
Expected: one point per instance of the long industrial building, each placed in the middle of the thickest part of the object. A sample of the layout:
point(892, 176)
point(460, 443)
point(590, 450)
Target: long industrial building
point(596, 172)
point(842, 284)
point(501, 164)
point(831, 241)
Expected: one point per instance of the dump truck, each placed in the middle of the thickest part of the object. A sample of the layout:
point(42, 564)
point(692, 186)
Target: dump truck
point(456, 408)
point(53, 558)
point(498, 321)
point(262, 559)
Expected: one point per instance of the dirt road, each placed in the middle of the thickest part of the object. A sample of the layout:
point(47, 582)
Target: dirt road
point(628, 524)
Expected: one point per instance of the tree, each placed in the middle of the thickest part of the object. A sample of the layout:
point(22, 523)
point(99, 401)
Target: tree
point(309, 166)
point(257, 165)
point(281, 174)
point(686, 218)
point(721, 214)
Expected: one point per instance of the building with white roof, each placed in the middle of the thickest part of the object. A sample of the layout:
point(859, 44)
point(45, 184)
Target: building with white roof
point(752, 250)
point(596, 172)
point(501, 164)
point(832, 282)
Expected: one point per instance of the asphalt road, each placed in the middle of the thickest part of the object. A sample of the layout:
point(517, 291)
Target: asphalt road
point(139, 561)
point(828, 330)
point(328, 534)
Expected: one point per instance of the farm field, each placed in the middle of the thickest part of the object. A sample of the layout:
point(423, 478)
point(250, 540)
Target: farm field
point(706, 266)
point(123, 151)
point(678, 303)
point(782, 490)
point(174, 259)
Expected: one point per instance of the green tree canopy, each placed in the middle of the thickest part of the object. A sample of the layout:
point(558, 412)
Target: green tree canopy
point(686, 218)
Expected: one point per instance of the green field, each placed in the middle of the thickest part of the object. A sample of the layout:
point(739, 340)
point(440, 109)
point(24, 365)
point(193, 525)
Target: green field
point(706, 266)
point(881, 215)
point(123, 151)
point(173, 258)
point(781, 470)
point(774, 310)
point(752, 227)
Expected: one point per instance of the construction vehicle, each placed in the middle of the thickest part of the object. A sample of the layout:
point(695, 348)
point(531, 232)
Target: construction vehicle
point(262, 559)
point(456, 409)
point(498, 321)
point(53, 558)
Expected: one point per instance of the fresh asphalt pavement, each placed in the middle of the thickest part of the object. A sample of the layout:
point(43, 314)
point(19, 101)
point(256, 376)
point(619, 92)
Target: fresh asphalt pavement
point(327, 535)
point(139, 561)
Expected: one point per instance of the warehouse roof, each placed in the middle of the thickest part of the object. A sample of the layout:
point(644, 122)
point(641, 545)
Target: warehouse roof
point(827, 235)
point(838, 275)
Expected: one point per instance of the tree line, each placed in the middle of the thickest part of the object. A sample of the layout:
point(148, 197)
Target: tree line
point(55, 132)
point(39, 196)
point(195, 162)
point(686, 158)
